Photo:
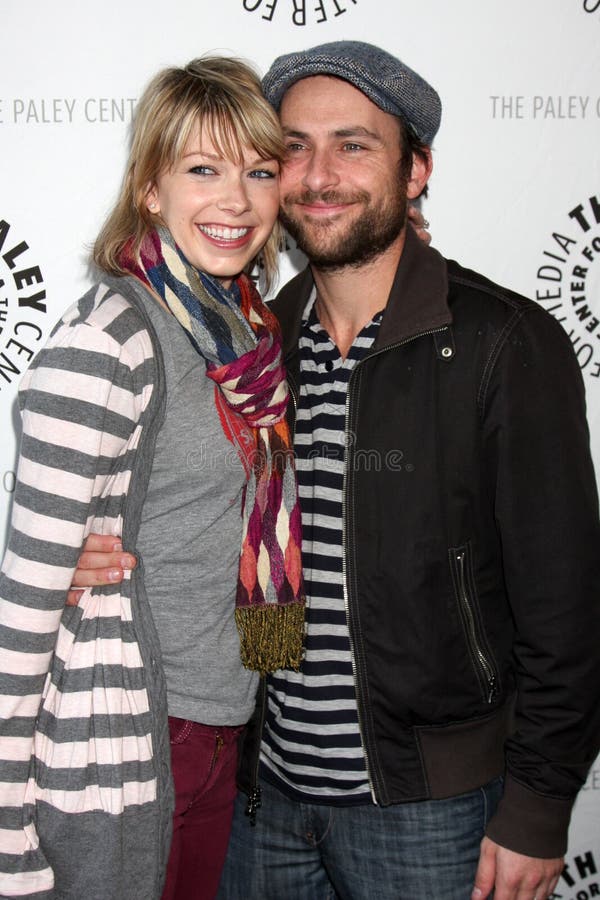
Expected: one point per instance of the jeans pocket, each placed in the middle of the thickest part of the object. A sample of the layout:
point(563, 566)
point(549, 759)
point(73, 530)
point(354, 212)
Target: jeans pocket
point(179, 730)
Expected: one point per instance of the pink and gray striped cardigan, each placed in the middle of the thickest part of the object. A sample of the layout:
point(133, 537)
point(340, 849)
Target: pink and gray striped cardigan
point(85, 788)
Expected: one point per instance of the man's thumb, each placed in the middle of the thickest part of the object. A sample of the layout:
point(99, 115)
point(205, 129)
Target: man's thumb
point(486, 871)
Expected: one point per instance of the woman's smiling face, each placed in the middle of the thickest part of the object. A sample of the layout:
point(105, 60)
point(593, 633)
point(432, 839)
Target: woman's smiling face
point(219, 211)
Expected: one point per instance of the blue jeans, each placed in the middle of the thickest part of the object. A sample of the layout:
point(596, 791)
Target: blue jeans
point(305, 851)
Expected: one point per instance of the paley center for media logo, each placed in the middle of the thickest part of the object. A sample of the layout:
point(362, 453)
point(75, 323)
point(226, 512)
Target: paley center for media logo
point(568, 281)
point(299, 12)
point(580, 879)
point(22, 305)
point(22, 313)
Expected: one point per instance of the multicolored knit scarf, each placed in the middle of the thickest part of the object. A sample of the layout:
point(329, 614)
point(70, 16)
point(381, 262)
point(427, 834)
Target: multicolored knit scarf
point(240, 340)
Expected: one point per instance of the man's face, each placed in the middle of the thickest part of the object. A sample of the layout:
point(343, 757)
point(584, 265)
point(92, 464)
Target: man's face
point(343, 196)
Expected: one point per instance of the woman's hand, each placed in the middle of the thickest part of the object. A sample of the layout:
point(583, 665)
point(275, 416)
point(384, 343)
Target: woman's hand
point(102, 561)
point(419, 223)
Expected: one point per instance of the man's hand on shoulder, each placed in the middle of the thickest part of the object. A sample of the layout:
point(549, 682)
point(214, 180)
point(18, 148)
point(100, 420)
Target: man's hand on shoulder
point(102, 561)
point(513, 876)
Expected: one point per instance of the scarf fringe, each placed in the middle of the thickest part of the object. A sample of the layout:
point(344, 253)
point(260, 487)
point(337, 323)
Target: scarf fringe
point(271, 637)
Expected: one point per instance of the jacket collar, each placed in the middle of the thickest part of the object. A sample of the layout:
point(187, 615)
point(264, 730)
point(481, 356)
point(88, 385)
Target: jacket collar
point(417, 302)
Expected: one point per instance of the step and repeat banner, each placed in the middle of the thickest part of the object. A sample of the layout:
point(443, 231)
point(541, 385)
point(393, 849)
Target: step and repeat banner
point(515, 191)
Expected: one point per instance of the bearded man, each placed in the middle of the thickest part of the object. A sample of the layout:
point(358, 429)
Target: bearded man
point(446, 712)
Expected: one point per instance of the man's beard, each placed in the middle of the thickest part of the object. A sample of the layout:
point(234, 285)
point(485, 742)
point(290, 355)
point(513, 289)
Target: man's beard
point(363, 240)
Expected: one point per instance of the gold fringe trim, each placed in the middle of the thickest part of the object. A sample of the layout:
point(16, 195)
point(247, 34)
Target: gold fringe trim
point(271, 637)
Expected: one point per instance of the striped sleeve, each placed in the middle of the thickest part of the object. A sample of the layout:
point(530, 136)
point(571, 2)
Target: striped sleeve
point(81, 403)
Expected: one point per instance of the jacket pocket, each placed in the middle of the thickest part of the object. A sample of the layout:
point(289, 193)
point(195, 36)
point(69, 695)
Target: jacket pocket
point(477, 642)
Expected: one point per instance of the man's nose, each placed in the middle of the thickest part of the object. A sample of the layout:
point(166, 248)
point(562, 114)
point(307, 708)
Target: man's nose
point(321, 172)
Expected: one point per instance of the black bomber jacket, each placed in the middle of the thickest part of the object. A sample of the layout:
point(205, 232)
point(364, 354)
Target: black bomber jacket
point(472, 551)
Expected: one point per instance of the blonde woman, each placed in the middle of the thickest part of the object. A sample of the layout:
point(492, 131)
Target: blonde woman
point(155, 413)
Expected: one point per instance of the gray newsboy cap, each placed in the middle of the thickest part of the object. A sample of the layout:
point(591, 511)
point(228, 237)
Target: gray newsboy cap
point(385, 80)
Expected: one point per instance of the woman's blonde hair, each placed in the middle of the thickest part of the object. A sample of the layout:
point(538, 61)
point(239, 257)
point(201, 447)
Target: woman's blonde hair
point(221, 94)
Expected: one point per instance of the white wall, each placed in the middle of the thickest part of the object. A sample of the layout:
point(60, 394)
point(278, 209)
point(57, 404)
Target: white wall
point(516, 162)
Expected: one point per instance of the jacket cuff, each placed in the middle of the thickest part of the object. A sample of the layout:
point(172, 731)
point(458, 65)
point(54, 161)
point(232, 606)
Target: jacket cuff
point(530, 823)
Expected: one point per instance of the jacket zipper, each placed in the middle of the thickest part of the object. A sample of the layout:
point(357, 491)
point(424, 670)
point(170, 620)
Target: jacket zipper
point(347, 600)
point(480, 658)
point(254, 797)
point(345, 502)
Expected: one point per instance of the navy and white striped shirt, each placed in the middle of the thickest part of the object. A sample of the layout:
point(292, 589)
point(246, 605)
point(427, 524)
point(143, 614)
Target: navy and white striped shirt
point(312, 746)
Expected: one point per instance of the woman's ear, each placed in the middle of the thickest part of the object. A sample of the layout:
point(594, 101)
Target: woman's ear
point(152, 204)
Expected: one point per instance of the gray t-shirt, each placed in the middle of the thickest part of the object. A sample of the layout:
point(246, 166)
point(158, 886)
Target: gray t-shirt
point(190, 539)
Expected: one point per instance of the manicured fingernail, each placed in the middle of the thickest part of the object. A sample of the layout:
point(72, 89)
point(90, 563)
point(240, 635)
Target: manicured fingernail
point(114, 574)
point(117, 546)
point(126, 562)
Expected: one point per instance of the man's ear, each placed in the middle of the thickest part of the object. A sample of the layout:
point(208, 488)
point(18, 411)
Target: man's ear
point(422, 166)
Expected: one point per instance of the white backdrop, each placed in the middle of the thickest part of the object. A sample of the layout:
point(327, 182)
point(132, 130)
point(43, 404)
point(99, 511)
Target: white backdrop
point(515, 191)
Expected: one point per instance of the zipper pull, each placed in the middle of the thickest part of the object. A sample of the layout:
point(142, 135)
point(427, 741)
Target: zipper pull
point(254, 804)
point(492, 688)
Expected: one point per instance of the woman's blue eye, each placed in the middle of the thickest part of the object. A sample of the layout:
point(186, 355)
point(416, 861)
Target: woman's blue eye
point(202, 170)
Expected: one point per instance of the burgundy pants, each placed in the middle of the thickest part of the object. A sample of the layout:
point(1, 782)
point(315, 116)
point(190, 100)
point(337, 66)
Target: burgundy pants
point(203, 760)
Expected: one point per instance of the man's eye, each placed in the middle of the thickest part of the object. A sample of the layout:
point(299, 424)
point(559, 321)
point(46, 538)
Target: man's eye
point(352, 146)
point(294, 147)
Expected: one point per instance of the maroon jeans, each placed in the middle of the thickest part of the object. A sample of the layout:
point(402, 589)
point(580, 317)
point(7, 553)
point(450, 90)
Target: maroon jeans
point(203, 761)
